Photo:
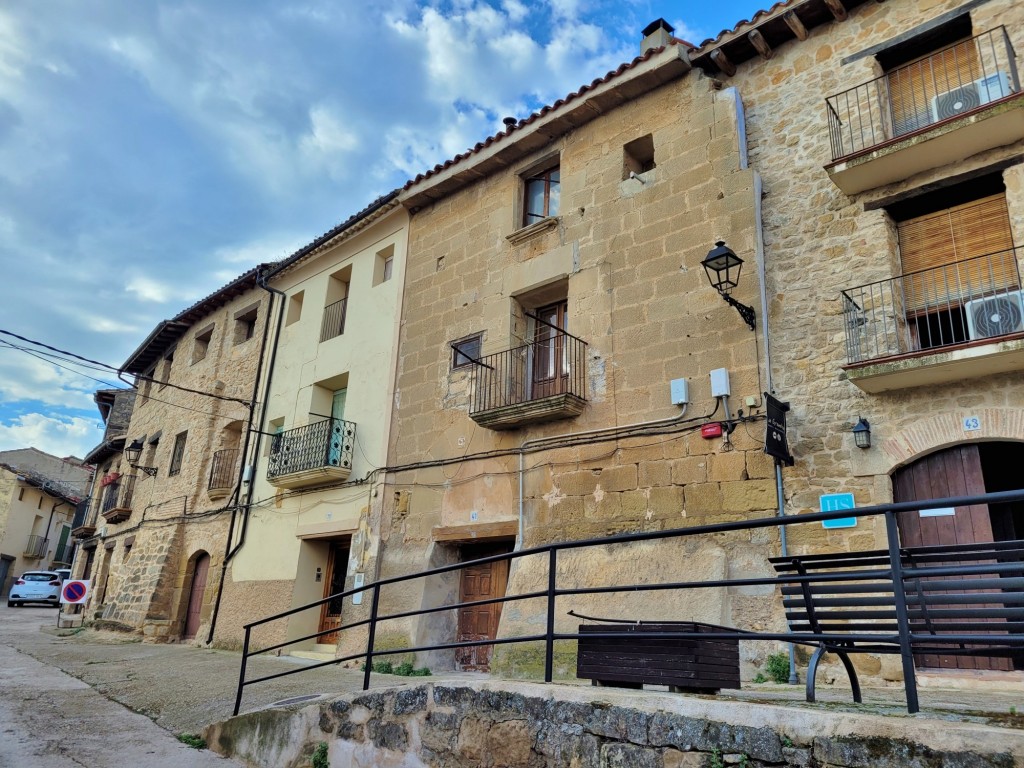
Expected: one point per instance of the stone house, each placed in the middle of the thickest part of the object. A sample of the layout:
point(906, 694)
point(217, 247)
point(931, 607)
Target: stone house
point(316, 490)
point(863, 160)
point(165, 501)
point(39, 494)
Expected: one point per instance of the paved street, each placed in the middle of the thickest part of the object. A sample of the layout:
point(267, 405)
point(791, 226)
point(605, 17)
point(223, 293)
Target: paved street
point(51, 720)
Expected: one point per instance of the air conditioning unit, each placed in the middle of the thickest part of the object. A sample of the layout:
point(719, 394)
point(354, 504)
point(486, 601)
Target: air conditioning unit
point(995, 315)
point(970, 96)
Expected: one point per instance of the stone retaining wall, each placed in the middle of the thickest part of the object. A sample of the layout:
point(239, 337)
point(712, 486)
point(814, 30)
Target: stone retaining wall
point(463, 726)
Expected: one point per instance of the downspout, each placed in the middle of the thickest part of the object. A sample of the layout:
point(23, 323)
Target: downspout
point(229, 551)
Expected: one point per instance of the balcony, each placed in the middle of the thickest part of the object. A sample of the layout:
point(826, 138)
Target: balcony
point(957, 321)
point(83, 525)
point(64, 554)
point(315, 454)
point(223, 473)
point(544, 380)
point(36, 547)
point(959, 101)
point(334, 320)
point(116, 505)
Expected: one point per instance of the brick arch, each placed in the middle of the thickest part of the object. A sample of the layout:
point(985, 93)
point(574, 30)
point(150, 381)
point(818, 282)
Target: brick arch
point(928, 435)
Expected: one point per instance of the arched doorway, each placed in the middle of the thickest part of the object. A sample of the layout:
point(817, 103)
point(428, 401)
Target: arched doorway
point(962, 470)
point(197, 588)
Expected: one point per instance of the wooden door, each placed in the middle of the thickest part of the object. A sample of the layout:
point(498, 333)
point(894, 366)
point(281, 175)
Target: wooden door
point(953, 472)
point(330, 612)
point(337, 414)
point(480, 622)
point(195, 596)
point(550, 365)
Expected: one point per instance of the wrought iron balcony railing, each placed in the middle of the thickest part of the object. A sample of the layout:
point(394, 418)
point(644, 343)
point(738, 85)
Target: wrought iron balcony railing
point(36, 546)
point(955, 81)
point(955, 303)
point(334, 320)
point(224, 469)
point(117, 499)
point(554, 365)
point(323, 445)
point(81, 514)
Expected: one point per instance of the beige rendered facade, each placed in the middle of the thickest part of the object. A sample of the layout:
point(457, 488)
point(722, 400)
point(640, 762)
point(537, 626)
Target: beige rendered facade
point(38, 497)
point(316, 489)
point(159, 530)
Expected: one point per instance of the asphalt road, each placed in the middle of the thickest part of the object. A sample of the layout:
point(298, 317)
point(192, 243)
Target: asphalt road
point(49, 719)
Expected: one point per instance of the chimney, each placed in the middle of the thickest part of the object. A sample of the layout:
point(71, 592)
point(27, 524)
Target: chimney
point(656, 34)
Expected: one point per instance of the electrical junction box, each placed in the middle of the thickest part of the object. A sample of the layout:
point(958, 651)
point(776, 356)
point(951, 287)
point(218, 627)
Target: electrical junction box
point(720, 382)
point(711, 430)
point(680, 390)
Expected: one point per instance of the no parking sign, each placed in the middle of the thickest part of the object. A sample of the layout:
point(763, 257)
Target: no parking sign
point(74, 592)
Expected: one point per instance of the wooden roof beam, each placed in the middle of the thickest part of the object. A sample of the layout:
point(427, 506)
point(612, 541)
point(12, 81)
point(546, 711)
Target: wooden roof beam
point(760, 44)
point(838, 9)
point(722, 62)
point(795, 25)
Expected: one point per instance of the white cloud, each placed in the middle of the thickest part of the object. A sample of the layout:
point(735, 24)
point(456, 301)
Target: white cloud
point(270, 247)
point(24, 378)
point(150, 289)
point(60, 436)
point(690, 34)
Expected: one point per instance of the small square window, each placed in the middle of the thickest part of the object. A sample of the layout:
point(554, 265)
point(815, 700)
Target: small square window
point(541, 195)
point(383, 265)
point(466, 351)
point(294, 308)
point(165, 369)
point(245, 324)
point(178, 454)
point(638, 157)
point(201, 345)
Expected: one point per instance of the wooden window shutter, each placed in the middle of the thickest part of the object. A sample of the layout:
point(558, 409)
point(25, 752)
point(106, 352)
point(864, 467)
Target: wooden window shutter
point(940, 253)
point(913, 86)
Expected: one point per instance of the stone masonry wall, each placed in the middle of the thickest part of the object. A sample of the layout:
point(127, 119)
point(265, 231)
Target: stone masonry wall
point(528, 727)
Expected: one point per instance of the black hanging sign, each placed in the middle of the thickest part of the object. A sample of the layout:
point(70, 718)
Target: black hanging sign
point(775, 430)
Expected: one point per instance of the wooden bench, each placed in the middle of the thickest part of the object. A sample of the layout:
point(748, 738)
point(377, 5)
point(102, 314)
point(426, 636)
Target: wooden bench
point(689, 664)
point(953, 593)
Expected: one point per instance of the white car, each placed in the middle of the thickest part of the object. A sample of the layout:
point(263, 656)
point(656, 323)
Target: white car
point(35, 587)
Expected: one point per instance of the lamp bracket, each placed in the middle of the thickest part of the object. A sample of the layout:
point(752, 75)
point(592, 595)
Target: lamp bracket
point(149, 471)
point(747, 313)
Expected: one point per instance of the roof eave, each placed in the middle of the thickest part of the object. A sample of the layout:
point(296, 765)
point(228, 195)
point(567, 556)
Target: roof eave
point(643, 76)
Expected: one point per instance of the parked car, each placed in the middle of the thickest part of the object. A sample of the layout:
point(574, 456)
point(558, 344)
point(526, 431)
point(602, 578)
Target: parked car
point(35, 587)
point(63, 574)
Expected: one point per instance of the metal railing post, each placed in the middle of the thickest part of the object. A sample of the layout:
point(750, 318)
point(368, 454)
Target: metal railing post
point(549, 639)
point(241, 672)
point(372, 631)
point(902, 621)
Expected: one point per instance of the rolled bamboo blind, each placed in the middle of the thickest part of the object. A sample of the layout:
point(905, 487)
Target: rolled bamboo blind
point(913, 86)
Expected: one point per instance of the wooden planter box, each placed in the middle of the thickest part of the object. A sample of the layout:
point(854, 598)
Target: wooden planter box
point(685, 665)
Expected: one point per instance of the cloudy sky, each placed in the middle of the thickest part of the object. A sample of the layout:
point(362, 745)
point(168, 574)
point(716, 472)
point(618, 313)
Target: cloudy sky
point(151, 151)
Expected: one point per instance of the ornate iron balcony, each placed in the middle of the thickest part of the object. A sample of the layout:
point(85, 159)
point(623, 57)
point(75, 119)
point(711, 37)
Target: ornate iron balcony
point(36, 547)
point(316, 453)
point(223, 472)
point(117, 499)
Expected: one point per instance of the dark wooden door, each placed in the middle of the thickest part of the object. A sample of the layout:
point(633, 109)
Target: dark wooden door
point(195, 596)
point(550, 366)
point(330, 613)
point(480, 622)
point(953, 472)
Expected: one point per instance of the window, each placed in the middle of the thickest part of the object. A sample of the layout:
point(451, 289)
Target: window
point(541, 195)
point(335, 308)
point(201, 345)
point(465, 351)
point(178, 454)
point(21, 494)
point(245, 323)
point(165, 368)
point(294, 308)
point(638, 156)
point(383, 265)
point(951, 256)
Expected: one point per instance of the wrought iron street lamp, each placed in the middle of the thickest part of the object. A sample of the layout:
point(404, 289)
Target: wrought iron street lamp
point(862, 433)
point(133, 453)
point(723, 268)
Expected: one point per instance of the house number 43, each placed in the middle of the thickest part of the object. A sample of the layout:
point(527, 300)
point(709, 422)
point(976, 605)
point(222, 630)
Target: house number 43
point(972, 424)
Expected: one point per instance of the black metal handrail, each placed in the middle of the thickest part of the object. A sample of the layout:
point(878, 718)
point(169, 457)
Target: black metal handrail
point(545, 367)
point(957, 80)
point(333, 323)
point(891, 571)
point(326, 443)
point(36, 546)
point(932, 308)
point(222, 469)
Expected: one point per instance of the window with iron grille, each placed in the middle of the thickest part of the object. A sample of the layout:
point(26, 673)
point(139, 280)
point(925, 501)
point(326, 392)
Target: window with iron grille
point(178, 453)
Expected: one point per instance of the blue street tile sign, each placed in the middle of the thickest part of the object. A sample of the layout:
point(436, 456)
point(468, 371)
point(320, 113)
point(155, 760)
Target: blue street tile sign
point(833, 502)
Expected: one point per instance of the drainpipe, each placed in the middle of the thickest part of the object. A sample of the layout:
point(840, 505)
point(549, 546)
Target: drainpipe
point(229, 552)
point(762, 275)
point(540, 443)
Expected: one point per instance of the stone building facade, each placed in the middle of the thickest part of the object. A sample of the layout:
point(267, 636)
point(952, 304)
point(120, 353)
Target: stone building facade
point(314, 501)
point(161, 521)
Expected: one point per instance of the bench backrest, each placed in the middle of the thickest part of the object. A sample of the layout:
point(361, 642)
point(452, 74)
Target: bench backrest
point(950, 590)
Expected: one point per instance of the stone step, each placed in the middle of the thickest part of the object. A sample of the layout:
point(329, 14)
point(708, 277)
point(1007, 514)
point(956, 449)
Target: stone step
point(316, 654)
